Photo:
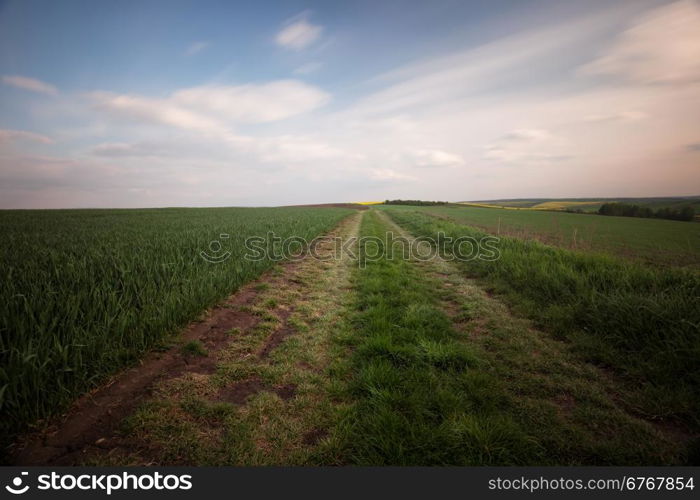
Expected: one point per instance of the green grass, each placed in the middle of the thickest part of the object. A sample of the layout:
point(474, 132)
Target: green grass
point(397, 363)
point(194, 348)
point(577, 413)
point(186, 422)
point(664, 242)
point(86, 292)
point(593, 204)
point(640, 321)
point(420, 396)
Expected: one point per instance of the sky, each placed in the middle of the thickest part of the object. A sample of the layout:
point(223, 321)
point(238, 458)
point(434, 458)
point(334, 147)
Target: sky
point(205, 103)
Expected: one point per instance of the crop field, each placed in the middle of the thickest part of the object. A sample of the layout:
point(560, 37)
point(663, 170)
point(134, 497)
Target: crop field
point(638, 319)
point(401, 239)
point(579, 206)
point(655, 241)
point(86, 292)
point(584, 206)
point(544, 355)
point(588, 205)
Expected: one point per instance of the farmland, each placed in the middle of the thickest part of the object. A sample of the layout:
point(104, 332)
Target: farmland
point(640, 320)
point(661, 242)
point(86, 292)
point(401, 239)
point(589, 204)
point(544, 356)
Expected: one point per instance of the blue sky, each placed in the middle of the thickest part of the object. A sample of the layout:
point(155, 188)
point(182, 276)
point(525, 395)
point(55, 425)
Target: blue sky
point(179, 103)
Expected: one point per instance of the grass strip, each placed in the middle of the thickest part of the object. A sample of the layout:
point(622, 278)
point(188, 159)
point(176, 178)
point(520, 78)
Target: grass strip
point(640, 321)
point(420, 395)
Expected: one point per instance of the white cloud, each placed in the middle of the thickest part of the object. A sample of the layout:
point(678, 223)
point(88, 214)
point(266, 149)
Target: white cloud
point(475, 71)
point(662, 46)
point(164, 111)
point(435, 158)
point(387, 174)
point(291, 149)
point(529, 146)
point(211, 107)
point(253, 103)
point(7, 136)
point(298, 34)
point(211, 111)
point(204, 114)
point(519, 96)
point(195, 48)
point(31, 84)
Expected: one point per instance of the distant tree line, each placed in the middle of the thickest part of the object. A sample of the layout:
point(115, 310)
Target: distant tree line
point(414, 202)
point(629, 210)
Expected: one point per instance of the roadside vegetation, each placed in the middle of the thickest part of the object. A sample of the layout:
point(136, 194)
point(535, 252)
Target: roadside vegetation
point(84, 293)
point(639, 321)
point(419, 395)
point(654, 241)
point(571, 411)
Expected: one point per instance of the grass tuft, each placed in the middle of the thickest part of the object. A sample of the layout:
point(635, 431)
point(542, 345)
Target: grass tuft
point(194, 348)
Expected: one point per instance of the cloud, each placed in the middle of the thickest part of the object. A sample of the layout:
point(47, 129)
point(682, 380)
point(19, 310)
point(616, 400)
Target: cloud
point(146, 109)
point(211, 112)
point(474, 72)
point(527, 134)
point(291, 149)
point(622, 116)
point(435, 158)
point(530, 146)
point(661, 46)
point(38, 172)
point(261, 103)
point(195, 48)
point(407, 133)
point(387, 174)
point(209, 108)
point(31, 84)
point(507, 155)
point(125, 150)
point(298, 34)
point(8, 136)
point(201, 115)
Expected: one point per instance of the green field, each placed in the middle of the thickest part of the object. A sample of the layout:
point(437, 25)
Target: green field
point(543, 356)
point(441, 373)
point(640, 320)
point(86, 292)
point(424, 388)
point(593, 204)
point(655, 241)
